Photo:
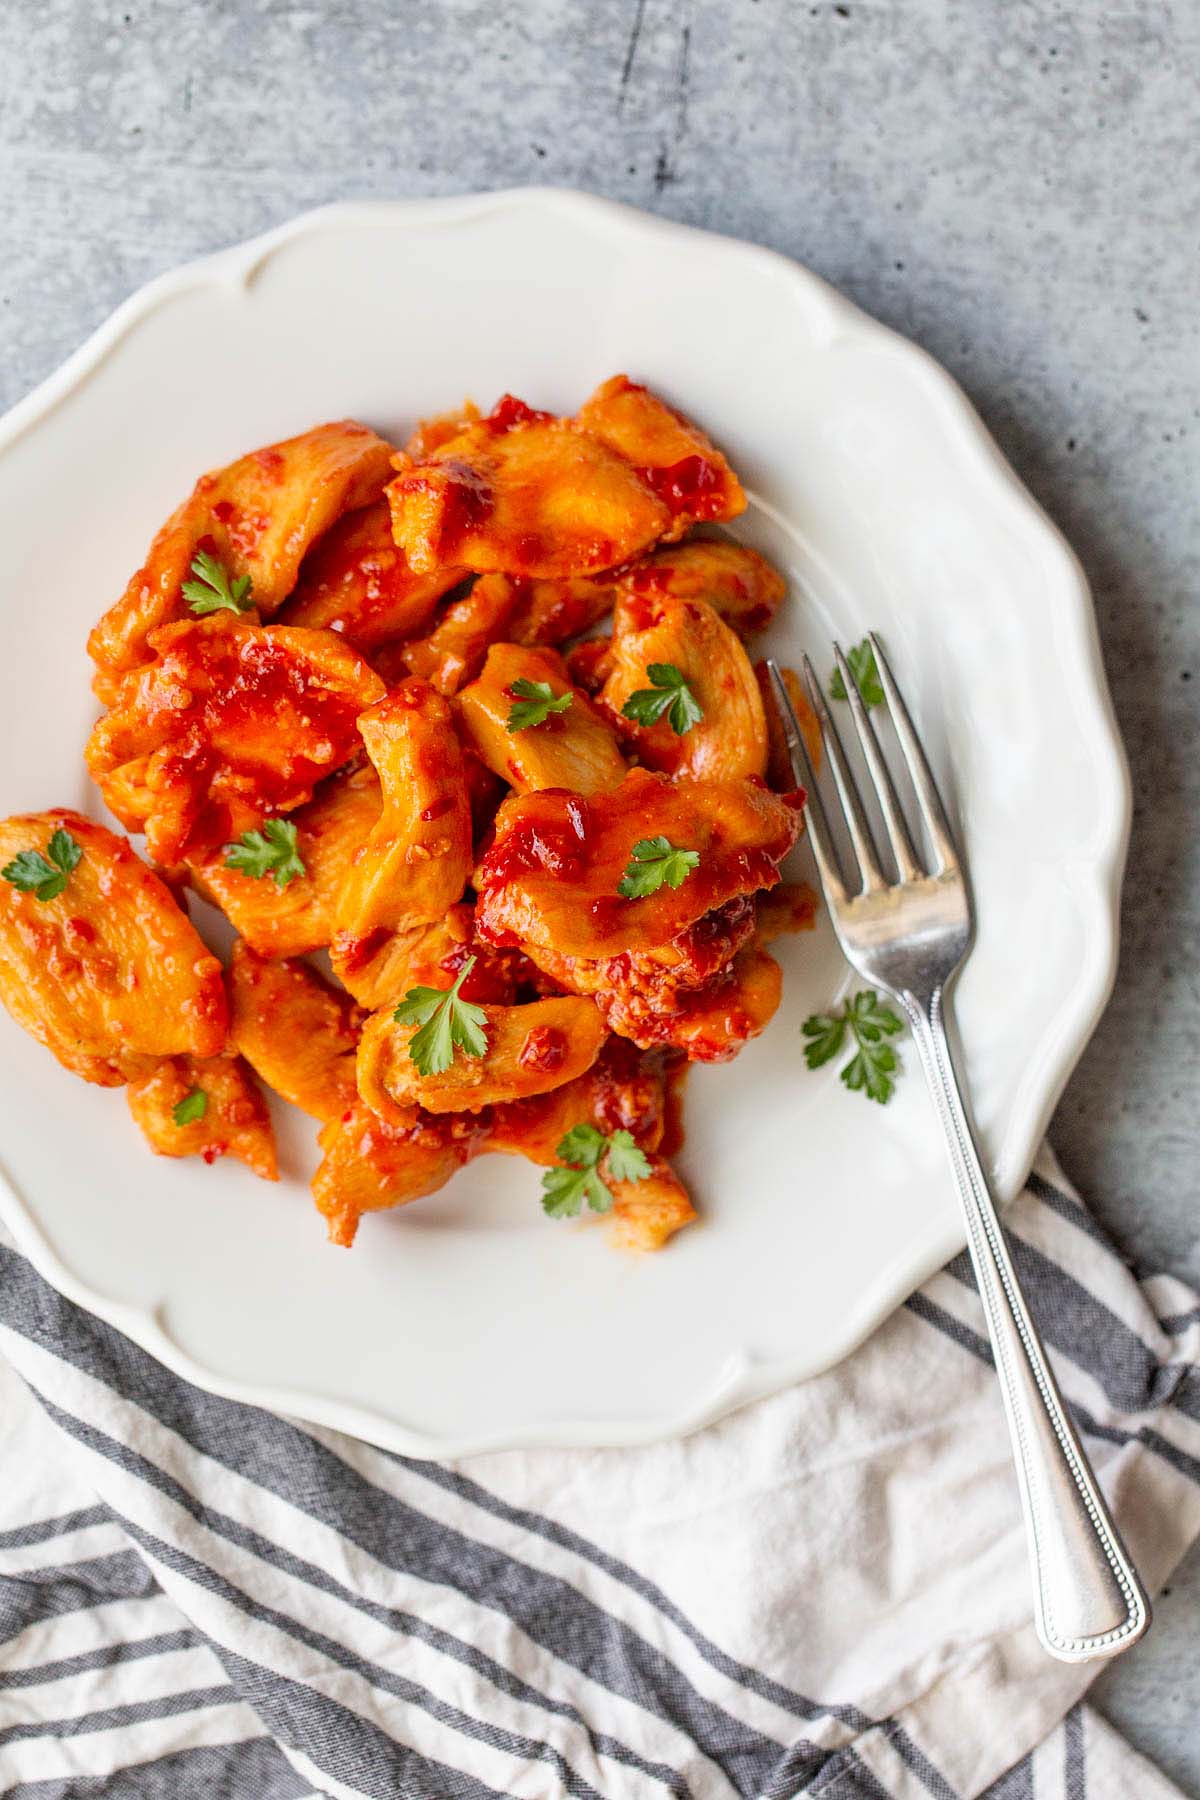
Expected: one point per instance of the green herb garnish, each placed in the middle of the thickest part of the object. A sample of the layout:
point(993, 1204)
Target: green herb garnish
point(869, 1024)
point(865, 670)
point(271, 851)
point(193, 1106)
point(44, 877)
point(564, 1190)
point(445, 1021)
point(213, 590)
point(652, 862)
point(668, 693)
point(536, 700)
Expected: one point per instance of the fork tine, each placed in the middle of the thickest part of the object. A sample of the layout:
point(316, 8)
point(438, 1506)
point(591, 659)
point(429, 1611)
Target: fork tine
point(893, 818)
point(818, 825)
point(852, 807)
point(928, 799)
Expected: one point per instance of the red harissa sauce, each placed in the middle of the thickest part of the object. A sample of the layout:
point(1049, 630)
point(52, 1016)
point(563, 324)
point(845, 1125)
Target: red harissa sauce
point(509, 411)
point(545, 1049)
point(692, 486)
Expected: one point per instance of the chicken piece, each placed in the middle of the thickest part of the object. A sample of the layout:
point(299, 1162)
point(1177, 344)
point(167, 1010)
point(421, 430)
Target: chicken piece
point(297, 918)
point(357, 583)
point(673, 457)
point(649, 978)
point(711, 1023)
point(536, 497)
point(729, 741)
point(780, 774)
point(792, 906)
point(233, 721)
point(415, 862)
point(685, 994)
point(530, 1049)
point(234, 1120)
point(374, 969)
point(623, 1090)
point(110, 975)
point(455, 649)
point(737, 582)
point(295, 1030)
point(257, 517)
point(525, 493)
point(572, 749)
point(549, 882)
point(646, 1213)
point(369, 1166)
point(431, 956)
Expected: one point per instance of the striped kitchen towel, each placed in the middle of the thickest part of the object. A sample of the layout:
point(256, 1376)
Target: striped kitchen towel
point(826, 1594)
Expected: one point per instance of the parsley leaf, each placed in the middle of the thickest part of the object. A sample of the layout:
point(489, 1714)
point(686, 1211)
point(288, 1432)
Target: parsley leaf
point(668, 693)
point(446, 1021)
point(271, 851)
point(653, 861)
point(564, 1190)
point(193, 1106)
point(826, 1033)
point(583, 1145)
point(626, 1162)
point(872, 1068)
point(44, 877)
point(865, 671)
point(213, 591)
point(536, 700)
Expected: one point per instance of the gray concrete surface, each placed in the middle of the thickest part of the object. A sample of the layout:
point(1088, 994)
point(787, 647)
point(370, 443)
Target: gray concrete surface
point(1014, 186)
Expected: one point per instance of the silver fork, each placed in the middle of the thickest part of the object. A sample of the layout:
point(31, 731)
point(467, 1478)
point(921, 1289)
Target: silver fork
point(911, 936)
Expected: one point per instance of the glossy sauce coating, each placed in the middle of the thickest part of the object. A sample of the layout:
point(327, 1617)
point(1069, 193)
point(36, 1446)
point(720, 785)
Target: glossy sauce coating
point(230, 723)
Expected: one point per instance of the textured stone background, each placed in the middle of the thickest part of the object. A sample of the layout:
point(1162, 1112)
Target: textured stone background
point(1016, 186)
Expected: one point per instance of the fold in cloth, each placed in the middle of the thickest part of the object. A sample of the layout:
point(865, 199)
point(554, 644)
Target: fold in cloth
point(826, 1594)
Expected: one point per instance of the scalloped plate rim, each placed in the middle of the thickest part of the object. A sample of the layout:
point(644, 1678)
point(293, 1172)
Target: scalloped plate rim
point(744, 1379)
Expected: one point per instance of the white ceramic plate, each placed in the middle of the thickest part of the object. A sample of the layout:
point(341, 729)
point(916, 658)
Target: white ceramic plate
point(469, 1320)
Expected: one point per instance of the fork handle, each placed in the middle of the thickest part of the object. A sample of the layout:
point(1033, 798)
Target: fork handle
point(1089, 1602)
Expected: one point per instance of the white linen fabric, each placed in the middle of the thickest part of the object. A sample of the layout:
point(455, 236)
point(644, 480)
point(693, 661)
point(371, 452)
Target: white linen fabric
point(824, 1595)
